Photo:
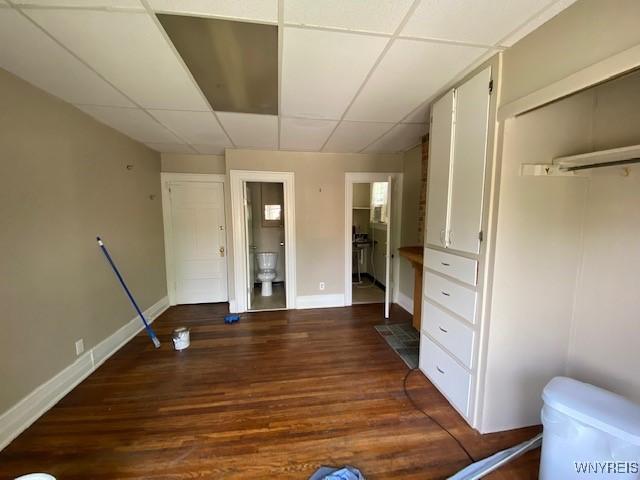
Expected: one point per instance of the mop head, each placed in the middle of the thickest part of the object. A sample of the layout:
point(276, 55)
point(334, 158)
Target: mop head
point(231, 318)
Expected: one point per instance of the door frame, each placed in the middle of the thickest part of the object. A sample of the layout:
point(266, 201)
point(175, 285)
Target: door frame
point(165, 179)
point(396, 223)
point(240, 267)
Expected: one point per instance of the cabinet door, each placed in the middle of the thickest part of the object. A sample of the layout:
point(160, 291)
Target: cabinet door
point(440, 139)
point(469, 158)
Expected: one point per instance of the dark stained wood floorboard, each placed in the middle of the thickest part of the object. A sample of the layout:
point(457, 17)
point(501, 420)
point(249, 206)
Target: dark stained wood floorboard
point(274, 396)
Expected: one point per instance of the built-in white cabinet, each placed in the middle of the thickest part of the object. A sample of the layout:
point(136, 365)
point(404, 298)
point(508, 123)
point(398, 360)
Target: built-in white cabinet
point(468, 164)
point(440, 137)
point(457, 161)
point(451, 303)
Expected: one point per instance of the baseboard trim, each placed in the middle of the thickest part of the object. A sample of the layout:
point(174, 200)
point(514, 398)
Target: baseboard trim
point(405, 302)
point(233, 306)
point(319, 301)
point(19, 417)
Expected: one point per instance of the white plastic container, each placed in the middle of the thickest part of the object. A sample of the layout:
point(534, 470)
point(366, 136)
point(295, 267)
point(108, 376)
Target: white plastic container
point(181, 338)
point(589, 433)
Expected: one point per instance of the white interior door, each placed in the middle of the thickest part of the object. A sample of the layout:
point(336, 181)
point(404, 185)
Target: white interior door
point(440, 144)
point(198, 242)
point(250, 247)
point(469, 158)
point(388, 265)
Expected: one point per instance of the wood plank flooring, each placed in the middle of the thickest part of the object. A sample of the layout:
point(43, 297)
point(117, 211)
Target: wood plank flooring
point(274, 396)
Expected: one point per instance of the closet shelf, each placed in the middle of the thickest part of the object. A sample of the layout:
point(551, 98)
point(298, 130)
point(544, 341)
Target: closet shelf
point(601, 158)
point(574, 164)
point(361, 208)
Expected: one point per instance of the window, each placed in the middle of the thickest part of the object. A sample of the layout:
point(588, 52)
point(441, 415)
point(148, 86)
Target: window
point(273, 212)
point(379, 192)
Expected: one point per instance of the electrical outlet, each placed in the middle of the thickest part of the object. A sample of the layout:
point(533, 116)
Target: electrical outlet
point(79, 346)
point(321, 286)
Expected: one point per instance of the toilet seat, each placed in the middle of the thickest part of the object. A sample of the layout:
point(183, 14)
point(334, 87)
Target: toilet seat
point(267, 275)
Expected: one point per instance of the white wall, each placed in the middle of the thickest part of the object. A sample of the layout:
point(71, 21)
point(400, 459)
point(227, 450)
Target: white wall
point(320, 200)
point(185, 163)
point(537, 254)
point(605, 344)
point(585, 33)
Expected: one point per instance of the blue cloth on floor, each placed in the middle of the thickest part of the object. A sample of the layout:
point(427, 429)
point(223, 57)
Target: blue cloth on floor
point(331, 473)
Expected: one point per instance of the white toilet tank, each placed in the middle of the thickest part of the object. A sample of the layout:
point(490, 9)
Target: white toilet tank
point(267, 260)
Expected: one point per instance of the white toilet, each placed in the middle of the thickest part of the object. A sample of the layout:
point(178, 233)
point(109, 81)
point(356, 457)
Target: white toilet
point(266, 271)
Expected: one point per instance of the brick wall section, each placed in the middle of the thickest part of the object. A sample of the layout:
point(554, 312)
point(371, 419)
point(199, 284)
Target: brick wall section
point(422, 205)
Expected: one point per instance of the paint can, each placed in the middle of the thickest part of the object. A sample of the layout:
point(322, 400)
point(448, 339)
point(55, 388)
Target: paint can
point(181, 338)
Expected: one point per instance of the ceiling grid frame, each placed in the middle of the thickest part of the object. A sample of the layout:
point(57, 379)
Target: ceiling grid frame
point(13, 5)
point(532, 21)
point(156, 22)
point(387, 47)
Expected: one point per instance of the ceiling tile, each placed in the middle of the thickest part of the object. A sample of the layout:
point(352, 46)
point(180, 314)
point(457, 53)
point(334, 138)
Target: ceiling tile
point(255, 10)
point(133, 122)
point(129, 50)
point(251, 130)
point(322, 71)
point(483, 22)
point(382, 16)
point(303, 134)
point(194, 127)
point(401, 137)
point(125, 4)
point(209, 149)
point(351, 137)
point(47, 65)
point(410, 72)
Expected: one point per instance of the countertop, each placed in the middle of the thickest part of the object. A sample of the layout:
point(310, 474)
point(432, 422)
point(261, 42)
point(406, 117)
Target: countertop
point(412, 253)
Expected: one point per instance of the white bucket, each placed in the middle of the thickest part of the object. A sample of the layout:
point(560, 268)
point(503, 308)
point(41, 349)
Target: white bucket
point(181, 338)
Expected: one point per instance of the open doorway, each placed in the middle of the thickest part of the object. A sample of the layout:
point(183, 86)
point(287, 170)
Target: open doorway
point(369, 229)
point(372, 234)
point(263, 214)
point(265, 245)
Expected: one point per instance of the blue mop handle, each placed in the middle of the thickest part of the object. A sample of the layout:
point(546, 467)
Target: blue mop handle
point(150, 331)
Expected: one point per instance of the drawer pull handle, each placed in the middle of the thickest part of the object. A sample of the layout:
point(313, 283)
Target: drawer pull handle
point(446, 294)
point(440, 370)
point(446, 264)
point(443, 330)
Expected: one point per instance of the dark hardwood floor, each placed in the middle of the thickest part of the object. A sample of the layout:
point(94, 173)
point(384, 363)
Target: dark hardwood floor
point(274, 396)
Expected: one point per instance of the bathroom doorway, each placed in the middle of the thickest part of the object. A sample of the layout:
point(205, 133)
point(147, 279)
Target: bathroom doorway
point(265, 238)
point(263, 214)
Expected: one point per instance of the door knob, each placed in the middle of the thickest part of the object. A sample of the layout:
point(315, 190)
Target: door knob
point(282, 244)
point(222, 251)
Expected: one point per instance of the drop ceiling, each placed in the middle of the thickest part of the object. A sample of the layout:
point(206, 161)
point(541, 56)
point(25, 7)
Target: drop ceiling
point(351, 75)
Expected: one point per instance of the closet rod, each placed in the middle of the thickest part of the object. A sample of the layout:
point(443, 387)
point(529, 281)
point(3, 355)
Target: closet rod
point(615, 163)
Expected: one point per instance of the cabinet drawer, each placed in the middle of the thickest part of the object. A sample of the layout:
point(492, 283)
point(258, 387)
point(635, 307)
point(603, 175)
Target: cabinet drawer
point(450, 332)
point(443, 371)
point(458, 299)
point(461, 268)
